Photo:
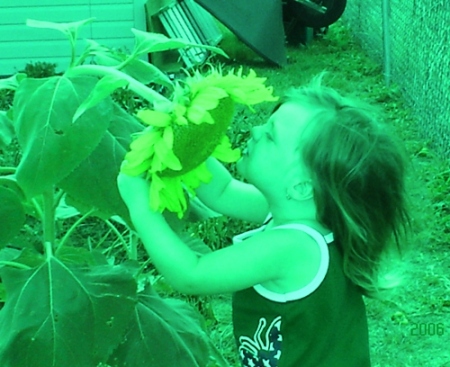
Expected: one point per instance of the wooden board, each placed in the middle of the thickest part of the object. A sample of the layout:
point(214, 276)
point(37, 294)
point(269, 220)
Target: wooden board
point(20, 44)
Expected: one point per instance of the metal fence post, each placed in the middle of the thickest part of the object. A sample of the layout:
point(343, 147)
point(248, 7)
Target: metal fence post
point(386, 40)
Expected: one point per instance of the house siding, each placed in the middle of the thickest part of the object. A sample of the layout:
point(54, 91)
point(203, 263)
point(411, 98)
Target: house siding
point(20, 44)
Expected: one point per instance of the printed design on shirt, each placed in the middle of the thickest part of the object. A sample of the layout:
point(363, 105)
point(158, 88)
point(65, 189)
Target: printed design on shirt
point(262, 350)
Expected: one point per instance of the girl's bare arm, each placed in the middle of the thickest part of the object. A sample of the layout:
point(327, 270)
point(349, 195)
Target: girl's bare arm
point(232, 197)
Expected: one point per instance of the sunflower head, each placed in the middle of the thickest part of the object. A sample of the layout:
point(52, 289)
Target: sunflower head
point(173, 149)
point(193, 144)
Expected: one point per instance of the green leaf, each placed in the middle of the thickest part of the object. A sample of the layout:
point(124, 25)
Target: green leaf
point(8, 254)
point(57, 315)
point(10, 182)
point(94, 48)
point(91, 49)
point(147, 73)
point(70, 29)
point(12, 214)
point(52, 145)
point(138, 69)
point(159, 326)
point(103, 89)
point(12, 82)
point(80, 256)
point(64, 210)
point(28, 257)
point(94, 182)
point(147, 42)
point(6, 130)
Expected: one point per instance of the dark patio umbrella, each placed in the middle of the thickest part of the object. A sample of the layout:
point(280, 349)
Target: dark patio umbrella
point(257, 23)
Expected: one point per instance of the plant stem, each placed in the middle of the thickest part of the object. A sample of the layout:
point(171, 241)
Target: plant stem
point(125, 62)
point(15, 265)
point(49, 221)
point(133, 246)
point(142, 268)
point(137, 87)
point(7, 170)
point(38, 209)
point(48, 249)
point(122, 240)
point(73, 50)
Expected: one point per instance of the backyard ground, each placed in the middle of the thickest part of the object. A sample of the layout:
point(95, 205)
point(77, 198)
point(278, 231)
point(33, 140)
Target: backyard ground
point(412, 327)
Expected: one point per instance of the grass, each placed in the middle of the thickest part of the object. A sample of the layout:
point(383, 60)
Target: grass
point(424, 298)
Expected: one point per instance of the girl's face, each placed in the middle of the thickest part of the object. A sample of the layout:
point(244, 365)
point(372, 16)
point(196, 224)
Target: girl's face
point(271, 160)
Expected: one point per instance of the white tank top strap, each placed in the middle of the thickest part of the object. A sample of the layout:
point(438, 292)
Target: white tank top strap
point(328, 238)
point(322, 241)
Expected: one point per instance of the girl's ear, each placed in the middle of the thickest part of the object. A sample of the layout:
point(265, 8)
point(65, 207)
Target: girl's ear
point(301, 190)
point(299, 184)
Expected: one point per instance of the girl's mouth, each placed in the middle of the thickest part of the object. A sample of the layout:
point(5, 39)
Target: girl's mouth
point(246, 149)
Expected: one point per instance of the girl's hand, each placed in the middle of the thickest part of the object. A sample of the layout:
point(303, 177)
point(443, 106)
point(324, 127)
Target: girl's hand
point(135, 191)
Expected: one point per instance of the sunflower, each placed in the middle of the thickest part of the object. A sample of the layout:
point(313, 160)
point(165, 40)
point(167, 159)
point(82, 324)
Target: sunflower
point(173, 148)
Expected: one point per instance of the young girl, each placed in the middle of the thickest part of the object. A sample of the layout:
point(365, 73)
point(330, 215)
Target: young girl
point(327, 183)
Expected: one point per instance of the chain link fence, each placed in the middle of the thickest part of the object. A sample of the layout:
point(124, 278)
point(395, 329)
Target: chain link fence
point(411, 39)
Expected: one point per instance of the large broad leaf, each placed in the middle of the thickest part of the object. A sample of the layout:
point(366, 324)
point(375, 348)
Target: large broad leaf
point(163, 333)
point(94, 182)
point(59, 316)
point(12, 214)
point(52, 145)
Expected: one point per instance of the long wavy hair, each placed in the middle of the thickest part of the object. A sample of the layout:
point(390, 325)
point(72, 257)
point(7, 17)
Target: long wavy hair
point(358, 174)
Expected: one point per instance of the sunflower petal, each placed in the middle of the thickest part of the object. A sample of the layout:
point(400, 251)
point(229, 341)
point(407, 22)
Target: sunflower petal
point(208, 119)
point(145, 140)
point(181, 120)
point(175, 189)
point(136, 170)
point(161, 149)
point(139, 155)
point(194, 178)
point(168, 195)
point(168, 136)
point(154, 118)
point(208, 98)
point(155, 192)
point(238, 95)
point(225, 153)
point(172, 161)
point(195, 114)
point(157, 165)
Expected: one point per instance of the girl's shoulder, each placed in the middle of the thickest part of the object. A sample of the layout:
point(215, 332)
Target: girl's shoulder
point(302, 258)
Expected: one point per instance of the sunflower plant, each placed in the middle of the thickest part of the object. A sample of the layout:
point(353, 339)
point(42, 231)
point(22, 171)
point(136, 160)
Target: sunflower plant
point(172, 151)
point(62, 304)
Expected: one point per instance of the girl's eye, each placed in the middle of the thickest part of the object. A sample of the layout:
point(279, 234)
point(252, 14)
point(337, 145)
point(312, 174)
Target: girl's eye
point(268, 136)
